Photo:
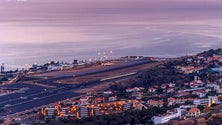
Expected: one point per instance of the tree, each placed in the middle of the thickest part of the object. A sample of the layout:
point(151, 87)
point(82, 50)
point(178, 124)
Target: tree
point(200, 107)
point(4, 79)
point(212, 78)
point(214, 105)
point(159, 90)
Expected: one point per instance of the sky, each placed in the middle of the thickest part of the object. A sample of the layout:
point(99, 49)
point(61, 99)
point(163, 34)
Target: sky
point(45, 21)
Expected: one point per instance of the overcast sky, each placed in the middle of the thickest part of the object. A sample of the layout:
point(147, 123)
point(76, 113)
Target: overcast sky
point(41, 21)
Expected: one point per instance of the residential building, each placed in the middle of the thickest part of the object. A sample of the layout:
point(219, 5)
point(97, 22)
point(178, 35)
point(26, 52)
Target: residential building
point(170, 90)
point(219, 91)
point(137, 89)
point(214, 86)
point(203, 102)
point(138, 95)
point(96, 111)
point(152, 89)
point(112, 98)
point(180, 94)
point(172, 101)
point(159, 103)
point(172, 85)
point(50, 112)
point(164, 86)
point(193, 113)
point(206, 101)
point(84, 99)
point(83, 111)
point(200, 93)
point(127, 105)
point(167, 117)
point(65, 113)
point(190, 69)
point(64, 110)
point(140, 106)
point(129, 90)
point(98, 100)
point(107, 92)
point(212, 100)
point(196, 84)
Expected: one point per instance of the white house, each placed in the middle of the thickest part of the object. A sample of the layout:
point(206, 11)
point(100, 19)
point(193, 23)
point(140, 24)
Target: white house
point(107, 92)
point(193, 112)
point(166, 118)
point(112, 98)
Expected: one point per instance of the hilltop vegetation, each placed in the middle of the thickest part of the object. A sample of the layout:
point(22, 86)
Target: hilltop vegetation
point(165, 73)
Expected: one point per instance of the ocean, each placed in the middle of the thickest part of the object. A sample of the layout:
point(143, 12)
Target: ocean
point(41, 31)
point(18, 55)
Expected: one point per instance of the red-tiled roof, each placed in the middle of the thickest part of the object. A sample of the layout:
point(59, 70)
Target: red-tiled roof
point(171, 99)
point(164, 85)
point(184, 93)
point(152, 88)
point(200, 91)
point(153, 102)
point(193, 110)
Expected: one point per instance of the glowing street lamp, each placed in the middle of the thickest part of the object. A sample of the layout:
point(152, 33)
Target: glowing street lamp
point(98, 53)
point(111, 52)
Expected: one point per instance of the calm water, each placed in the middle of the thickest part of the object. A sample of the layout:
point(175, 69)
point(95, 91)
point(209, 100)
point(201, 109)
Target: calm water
point(16, 56)
point(133, 38)
point(37, 31)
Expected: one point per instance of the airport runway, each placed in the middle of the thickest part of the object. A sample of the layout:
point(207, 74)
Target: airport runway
point(36, 96)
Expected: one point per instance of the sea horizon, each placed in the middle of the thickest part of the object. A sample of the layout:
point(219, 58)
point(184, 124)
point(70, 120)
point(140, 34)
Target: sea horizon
point(43, 53)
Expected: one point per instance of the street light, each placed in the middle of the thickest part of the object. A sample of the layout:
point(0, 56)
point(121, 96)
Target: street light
point(111, 53)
